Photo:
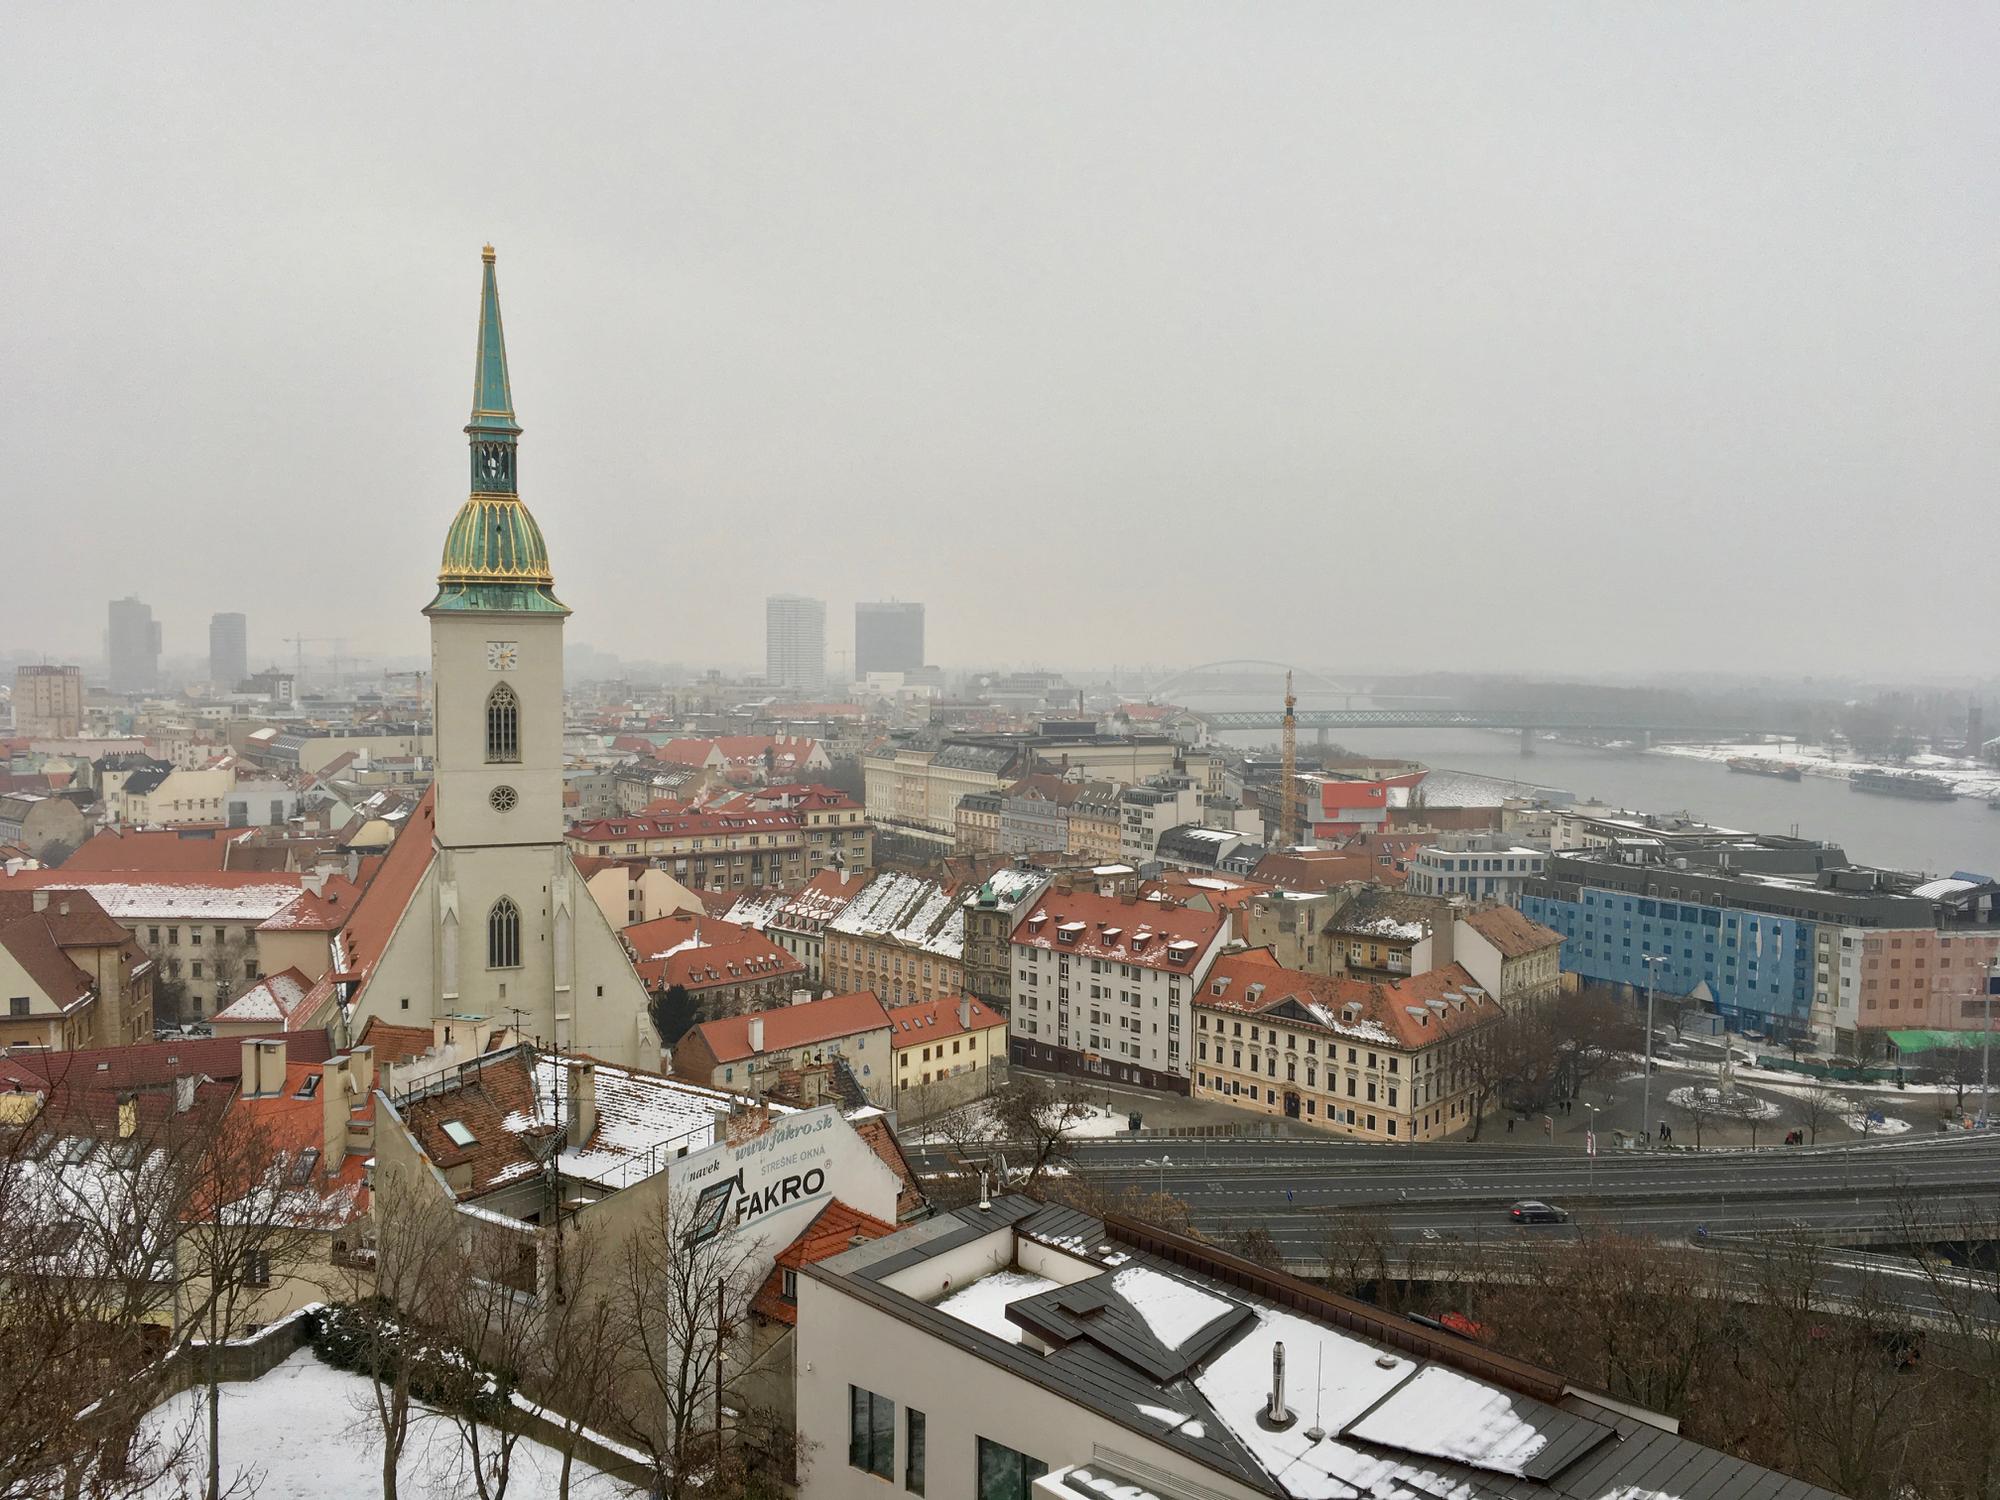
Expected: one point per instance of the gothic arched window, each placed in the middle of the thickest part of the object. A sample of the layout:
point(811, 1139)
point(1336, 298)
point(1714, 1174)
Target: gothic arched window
point(503, 935)
point(503, 725)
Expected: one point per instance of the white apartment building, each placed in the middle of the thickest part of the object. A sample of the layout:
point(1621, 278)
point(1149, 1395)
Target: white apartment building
point(1146, 812)
point(1104, 986)
point(1016, 1350)
point(1477, 866)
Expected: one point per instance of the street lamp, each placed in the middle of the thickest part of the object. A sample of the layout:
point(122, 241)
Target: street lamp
point(1650, 960)
point(1590, 1147)
point(1986, 1049)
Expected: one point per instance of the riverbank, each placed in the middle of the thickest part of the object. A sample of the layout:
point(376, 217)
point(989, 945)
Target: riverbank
point(1968, 777)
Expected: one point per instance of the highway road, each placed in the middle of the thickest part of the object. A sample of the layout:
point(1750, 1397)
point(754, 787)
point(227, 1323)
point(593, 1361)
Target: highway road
point(1293, 1188)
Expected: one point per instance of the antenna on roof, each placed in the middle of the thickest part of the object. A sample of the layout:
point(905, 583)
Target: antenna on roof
point(1315, 1432)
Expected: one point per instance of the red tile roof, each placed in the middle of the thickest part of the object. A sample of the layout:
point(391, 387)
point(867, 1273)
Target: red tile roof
point(31, 943)
point(834, 1228)
point(701, 953)
point(158, 1064)
point(1407, 1013)
point(929, 1020)
point(290, 1124)
point(1512, 933)
point(159, 850)
point(395, 1044)
point(388, 895)
point(789, 1026)
point(1149, 934)
point(685, 825)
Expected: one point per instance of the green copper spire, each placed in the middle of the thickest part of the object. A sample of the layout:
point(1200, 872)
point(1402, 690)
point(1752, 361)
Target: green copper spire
point(494, 556)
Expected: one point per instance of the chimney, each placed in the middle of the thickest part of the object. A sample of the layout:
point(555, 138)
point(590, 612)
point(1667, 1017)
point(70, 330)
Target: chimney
point(582, 1111)
point(1276, 1414)
point(964, 1013)
point(41, 900)
point(756, 1035)
point(184, 1086)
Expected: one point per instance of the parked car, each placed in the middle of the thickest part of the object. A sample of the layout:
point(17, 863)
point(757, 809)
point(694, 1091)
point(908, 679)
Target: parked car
point(1534, 1211)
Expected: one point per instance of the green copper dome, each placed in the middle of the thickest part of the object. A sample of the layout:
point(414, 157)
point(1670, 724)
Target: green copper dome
point(494, 555)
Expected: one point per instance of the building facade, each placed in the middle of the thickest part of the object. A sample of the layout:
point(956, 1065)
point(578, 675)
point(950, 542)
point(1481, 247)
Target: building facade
point(794, 641)
point(903, 937)
point(228, 651)
point(48, 702)
point(1773, 933)
point(1385, 1062)
point(132, 646)
point(1104, 986)
point(1477, 867)
point(888, 637)
point(705, 851)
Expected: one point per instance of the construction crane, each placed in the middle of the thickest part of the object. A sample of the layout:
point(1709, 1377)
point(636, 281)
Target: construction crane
point(1288, 773)
point(299, 643)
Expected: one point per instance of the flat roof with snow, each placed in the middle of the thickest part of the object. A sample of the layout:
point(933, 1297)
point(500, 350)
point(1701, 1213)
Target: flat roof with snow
point(1179, 1351)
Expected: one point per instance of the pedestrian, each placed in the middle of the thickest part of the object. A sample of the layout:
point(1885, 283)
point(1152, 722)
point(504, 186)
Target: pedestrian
point(1510, 1124)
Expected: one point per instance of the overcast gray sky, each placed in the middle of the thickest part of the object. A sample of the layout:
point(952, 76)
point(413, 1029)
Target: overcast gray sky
point(1504, 336)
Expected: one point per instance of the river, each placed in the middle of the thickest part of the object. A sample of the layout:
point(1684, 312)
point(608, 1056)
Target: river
point(1939, 837)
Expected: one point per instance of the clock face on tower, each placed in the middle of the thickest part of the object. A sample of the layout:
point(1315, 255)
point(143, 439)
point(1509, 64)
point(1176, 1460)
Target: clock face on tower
point(502, 656)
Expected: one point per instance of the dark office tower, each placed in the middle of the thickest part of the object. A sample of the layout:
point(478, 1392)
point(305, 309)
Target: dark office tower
point(132, 647)
point(888, 638)
point(228, 651)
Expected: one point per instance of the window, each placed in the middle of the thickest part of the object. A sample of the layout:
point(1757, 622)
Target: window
point(503, 725)
point(871, 1432)
point(257, 1267)
point(1005, 1474)
point(913, 1451)
point(789, 1290)
point(18, 1006)
point(503, 934)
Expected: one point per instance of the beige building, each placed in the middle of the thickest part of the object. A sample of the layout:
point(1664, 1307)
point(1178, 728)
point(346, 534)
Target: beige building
point(201, 928)
point(629, 891)
point(178, 799)
point(70, 976)
point(947, 1053)
point(1514, 958)
point(976, 824)
point(48, 702)
point(902, 937)
point(41, 825)
point(1379, 1061)
point(308, 1120)
point(1094, 823)
point(705, 851)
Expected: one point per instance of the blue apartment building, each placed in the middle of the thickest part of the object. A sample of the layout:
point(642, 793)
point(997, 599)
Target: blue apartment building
point(1756, 921)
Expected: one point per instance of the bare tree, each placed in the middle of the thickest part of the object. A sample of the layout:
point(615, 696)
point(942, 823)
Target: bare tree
point(1040, 1120)
point(573, 1367)
point(1818, 1107)
point(1701, 1109)
point(257, 1217)
point(417, 1244)
point(680, 1299)
point(1355, 1248)
point(87, 1219)
point(493, 1323)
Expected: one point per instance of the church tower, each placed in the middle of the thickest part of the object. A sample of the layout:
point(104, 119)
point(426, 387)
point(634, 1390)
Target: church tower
point(505, 877)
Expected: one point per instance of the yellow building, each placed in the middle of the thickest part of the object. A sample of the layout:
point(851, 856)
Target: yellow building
point(1383, 1061)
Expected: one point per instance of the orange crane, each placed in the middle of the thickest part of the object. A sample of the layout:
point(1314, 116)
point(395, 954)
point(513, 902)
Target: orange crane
point(1288, 773)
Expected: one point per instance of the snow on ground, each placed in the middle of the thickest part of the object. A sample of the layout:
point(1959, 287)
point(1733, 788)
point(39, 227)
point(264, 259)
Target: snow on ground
point(1887, 1125)
point(1969, 777)
point(983, 1303)
point(1099, 1124)
point(1712, 1101)
point(306, 1431)
point(1174, 1311)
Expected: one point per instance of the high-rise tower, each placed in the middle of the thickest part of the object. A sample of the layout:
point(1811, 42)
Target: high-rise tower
point(228, 651)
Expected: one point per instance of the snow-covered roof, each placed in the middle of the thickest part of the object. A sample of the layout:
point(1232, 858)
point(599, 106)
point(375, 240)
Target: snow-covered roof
point(906, 909)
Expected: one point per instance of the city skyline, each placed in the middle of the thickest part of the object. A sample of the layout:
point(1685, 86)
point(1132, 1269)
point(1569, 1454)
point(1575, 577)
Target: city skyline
point(1553, 312)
